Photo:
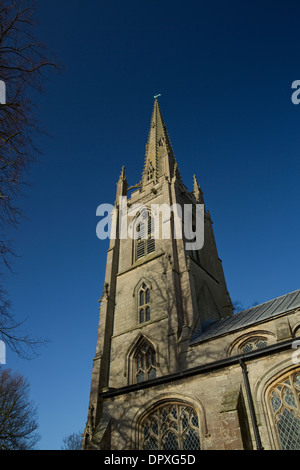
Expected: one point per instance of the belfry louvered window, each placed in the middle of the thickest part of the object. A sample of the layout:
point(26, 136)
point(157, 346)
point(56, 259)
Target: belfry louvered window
point(145, 243)
point(284, 398)
point(172, 426)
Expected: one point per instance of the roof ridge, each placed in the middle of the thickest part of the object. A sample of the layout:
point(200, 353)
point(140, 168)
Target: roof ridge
point(271, 300)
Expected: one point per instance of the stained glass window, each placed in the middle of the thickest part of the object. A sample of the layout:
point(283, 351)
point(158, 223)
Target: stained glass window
point(285, 403)
point(172, 426)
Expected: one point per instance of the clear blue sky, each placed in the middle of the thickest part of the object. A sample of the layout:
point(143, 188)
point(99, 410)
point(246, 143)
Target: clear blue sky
point(224, 70)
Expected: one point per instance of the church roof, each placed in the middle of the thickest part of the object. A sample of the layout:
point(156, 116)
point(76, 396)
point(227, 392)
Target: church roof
point(248, 317)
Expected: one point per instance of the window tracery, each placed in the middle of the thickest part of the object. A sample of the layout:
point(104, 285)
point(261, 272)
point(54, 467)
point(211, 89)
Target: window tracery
point(172, 426)
point(253, 343)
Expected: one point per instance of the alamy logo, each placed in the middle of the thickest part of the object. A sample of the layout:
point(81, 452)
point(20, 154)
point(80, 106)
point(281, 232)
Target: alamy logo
point(140, 222)
point(2, 92)
point(2, 353)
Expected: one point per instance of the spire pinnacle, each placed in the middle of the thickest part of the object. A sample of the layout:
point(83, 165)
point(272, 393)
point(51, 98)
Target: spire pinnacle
point(121, 185)
point(197, 191)
point(123, 174)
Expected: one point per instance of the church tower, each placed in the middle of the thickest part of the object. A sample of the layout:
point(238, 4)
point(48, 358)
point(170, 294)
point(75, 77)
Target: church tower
point(158, 291)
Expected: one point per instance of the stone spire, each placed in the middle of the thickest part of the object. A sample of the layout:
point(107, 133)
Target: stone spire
point(160, 158)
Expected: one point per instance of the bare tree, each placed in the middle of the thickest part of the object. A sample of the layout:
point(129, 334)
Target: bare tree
point(18, 416)
point(13, 333)
point(72, 441)
point(22, 65)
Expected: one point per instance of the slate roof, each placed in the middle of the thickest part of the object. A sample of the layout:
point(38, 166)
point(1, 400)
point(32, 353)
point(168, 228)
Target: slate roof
point(248, 317)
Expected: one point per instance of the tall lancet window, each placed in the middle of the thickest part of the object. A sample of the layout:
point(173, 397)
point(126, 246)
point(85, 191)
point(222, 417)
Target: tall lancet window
point(145, 362)
point(145, 241)
point(144, 304)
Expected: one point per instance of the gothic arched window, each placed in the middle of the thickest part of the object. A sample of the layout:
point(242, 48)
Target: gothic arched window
point(171, 426)
point(145, 362)
point(144, 303)
point(284, 398)
point(145, 242)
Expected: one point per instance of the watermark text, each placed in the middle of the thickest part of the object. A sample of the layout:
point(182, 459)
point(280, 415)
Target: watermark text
point(161, 221)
